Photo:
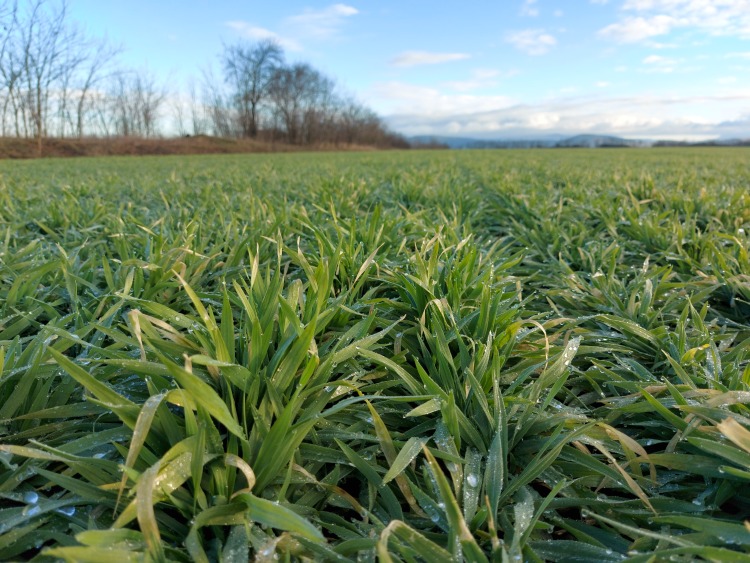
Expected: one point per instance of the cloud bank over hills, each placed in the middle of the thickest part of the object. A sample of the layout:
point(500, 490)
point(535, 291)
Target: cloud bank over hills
point(642, 117)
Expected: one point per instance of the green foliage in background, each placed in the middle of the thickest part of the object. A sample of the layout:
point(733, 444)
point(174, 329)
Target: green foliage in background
point(488, 356)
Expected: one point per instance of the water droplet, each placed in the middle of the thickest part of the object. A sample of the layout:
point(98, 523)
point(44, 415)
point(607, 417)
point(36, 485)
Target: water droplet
point(472, 480)
point(67, 510)
point(177, 318)
point(30, 497)
point(32, 510)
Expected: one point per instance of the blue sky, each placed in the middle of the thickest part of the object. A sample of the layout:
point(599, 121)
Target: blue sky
point(518, 68)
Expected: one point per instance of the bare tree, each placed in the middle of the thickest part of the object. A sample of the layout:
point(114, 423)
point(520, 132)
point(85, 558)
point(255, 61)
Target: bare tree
point(197, 111)
point(218, 109)
point(300, 95)
point(56, 79)
point(248, 71)
point(8, 11)
point(95, 70)
point(136, 103)
point(44, 37)
point(48, 69)
point(8, 74)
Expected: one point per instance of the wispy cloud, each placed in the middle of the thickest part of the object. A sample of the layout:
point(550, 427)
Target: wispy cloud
point(658, 60)
point(529, 9)
point(531, 41)
point(653, 18)
point(487, 73)
point(658, 63)
point(726, 80)
point(256, 33)
point(296, 30)
point(416, 58)
point(405, 98)
point(465, 85)
point(480, 78)
point(321, 24)
point(633, 30)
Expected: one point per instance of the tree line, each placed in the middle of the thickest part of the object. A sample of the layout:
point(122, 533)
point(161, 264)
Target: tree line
point(58, 80)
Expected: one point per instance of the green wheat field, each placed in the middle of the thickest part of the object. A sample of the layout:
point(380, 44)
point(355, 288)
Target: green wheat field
point(395, 356)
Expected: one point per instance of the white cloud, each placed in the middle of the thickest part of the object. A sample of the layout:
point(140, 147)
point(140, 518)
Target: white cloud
point(603, 84)
point(659, 45)
point(652, 18)
point(464, 85)
point(321, 24)
point(486, 73)
point(256, 33)
point(313, 25)
point(664, 65)
point(404, 98)
point(725, 80)
point(658, 60)
point(743, 55)
point(531, 41)
point(632, 30)
point(635, 117)
point(415, 58)
point(480, 78)
point(416, 110)
point(657, 63)
point(529, 9)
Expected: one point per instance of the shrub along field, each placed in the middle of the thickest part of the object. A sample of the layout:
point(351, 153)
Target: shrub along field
point(505, 356)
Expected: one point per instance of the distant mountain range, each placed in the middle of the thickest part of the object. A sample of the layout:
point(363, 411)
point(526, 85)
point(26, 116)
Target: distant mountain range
point(559, 141)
